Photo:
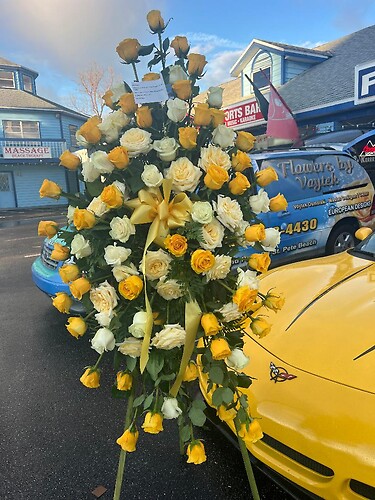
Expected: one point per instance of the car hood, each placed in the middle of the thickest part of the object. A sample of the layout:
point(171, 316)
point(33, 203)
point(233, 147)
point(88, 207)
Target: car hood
point(327, 325)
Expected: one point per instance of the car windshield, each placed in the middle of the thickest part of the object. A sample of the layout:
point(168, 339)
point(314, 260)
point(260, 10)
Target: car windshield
point(367, 246)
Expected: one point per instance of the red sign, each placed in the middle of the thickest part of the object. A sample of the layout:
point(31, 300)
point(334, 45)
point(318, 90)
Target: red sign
point(243, 114)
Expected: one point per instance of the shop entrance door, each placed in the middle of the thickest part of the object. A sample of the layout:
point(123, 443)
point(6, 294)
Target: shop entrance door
point(7, 195)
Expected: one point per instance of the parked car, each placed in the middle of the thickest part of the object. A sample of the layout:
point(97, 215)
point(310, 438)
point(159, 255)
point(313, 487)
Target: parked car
point(313, 389)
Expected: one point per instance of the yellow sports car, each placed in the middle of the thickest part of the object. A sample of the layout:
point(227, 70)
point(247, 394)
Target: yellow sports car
point(314, 391)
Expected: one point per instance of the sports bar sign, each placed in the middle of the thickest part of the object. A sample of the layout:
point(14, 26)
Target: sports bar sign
point(243, 114)
point(26, 152)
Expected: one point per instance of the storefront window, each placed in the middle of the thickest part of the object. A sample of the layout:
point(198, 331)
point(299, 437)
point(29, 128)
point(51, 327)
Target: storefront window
point(7, 79)
point(21, 129)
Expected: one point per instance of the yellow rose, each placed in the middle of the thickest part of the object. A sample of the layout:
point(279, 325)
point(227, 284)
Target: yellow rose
point(127, 103)
point(187, 137)
point(260, 327)
point(255, 232)
point(90, 130)
point(69, 272)
point(180, 46)
point(50, 189)
point(69, 160)
point(119, 157)
point(241, 161)
point(59, 252)
point(128, 440)
point(196, 64)
point(182, 89)
point(91, 378)
point(153, 423)
point(215, 177)
point(245, 141)
point(155, 21)
point(202, 115)
point(76, 326)
point(47, 228)
point(244, 297)
point(62, 302)
point(191, 372)
point(250, 433)
point(217, 116)
point(144, 117)
point(176, 244)
point(79, 287)
point(107, 98)
point(266, 176)
point(220, 348)
point(131, 287)
point(239, 184)
point(83, 219)
point(226, 415)
point(112, 197)
point(196, 453)
point(124, 381)
point(274, 301)
point(128, 49)
point(148, 77)
point(260, 261)
point(202, 261)
point(210, 324)
point(278, 203)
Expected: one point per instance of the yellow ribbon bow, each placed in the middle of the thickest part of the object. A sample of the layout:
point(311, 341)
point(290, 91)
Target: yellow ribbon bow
point(164, 214)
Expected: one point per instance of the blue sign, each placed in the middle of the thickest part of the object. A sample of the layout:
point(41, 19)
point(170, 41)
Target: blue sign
point(364, 83)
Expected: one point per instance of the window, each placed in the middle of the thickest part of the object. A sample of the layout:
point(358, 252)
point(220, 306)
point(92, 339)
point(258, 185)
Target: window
point(21, 130)
point(7, 79)
point(27, 83)
point(72, 132)
point(262, 78)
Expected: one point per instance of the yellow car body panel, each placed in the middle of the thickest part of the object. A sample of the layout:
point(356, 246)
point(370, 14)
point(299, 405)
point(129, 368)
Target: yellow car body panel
point(325, 415)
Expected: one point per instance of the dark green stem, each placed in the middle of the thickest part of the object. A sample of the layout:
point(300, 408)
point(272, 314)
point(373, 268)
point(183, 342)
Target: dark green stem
point(162, 53)
point(135, 72)
point(249, 469)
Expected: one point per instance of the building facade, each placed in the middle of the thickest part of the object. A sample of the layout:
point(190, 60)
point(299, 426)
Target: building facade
point(33, 133)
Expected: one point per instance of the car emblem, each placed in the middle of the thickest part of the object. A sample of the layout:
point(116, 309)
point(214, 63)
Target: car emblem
point(280, 374)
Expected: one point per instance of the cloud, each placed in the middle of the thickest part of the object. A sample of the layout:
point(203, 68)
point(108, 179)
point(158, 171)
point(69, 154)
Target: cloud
point(218, 68)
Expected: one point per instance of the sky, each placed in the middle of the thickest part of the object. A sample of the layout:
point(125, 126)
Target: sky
point(60, 38)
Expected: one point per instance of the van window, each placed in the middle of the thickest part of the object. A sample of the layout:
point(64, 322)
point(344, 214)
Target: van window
point(302, 177)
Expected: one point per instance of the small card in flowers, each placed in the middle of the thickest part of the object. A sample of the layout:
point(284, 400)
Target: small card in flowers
point(149, 91)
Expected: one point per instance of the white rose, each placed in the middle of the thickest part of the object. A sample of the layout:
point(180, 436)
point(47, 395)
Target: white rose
point(166, 148)
point(151, 176)
point(112, 124)
point(176, 73)
point(131, 347)
point(117, 91)
point(271, 240)
point(215, 97)
point(103, 340)
point(137, 328)
point(228, 212)
point(177, 109)
point(171, 336)
point(100, 161)
point(170, 408)
point(240, 235)
point(202, 212)
point(214, 155)
point(223, 136)
point(213, 234)
point(80, 247)
point(247, 278)
point(156, 264)
point(220, 269)
point(230, 312)
point(104, 298)
point(260, 202)
point(237, 360)
point(81, 141)
point(114, 255)
point(169, 289)
point(185, 176)
point(98, 207)
point(122, 272)
point(104, 318)
point(121, 228)
point(89, 172)
point(136, 141)
point(70, 213)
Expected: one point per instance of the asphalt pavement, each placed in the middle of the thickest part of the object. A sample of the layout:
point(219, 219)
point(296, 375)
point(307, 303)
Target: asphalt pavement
point(58, 438)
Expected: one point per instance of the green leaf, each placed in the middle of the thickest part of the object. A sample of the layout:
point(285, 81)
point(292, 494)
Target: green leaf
point(185, 433)
point(131, 363)
point(217, 396)
point(94, 188)
point(243, 401)
point(242, 415)
point(166, 44)
point(244, 381)
point(145, 50)
point(118, 394)
point(139, 400)
point(216, 374)
point(198, 403)
point(155, 364)
point(197, 417)
point(227, 395)
point(148, 401)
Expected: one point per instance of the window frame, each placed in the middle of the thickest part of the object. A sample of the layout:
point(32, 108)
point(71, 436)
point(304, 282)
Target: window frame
point(72, 135)
point(2, 71)
point(254, 75)
point(21, 127)
point(31, 83)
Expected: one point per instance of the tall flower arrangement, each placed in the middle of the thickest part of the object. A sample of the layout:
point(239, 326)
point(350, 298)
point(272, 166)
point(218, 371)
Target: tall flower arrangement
point(169, 199)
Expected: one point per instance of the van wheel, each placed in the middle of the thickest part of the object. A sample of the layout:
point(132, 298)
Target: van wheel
point(341, 238)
